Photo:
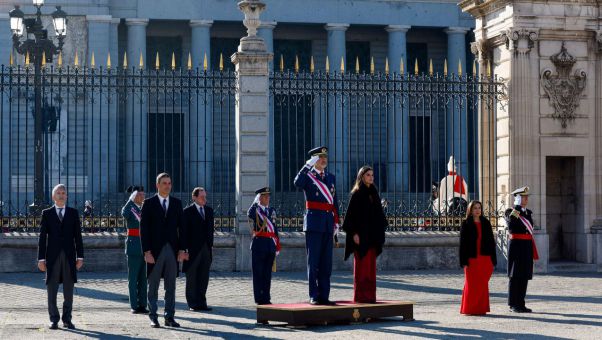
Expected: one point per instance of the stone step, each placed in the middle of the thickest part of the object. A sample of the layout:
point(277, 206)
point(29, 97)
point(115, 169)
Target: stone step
point(571, 267)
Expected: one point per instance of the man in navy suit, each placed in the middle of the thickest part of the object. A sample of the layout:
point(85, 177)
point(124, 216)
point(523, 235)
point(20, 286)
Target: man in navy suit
point(161, 224)
point(60, 254)
point(198, 241)
point(320, 223)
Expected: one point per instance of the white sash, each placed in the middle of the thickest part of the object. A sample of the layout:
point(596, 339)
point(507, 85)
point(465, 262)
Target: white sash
point(321, 187)
point(136, 214)
point(268, 222)
point(527, 224)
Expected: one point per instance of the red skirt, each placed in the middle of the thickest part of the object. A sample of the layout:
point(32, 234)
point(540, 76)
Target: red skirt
point(364, 277)
point(475, 297)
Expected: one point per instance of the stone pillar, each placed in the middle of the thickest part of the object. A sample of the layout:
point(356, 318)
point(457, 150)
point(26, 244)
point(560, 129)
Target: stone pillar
point(136, 127)
point(456, 125)
point(5, 142)
point(338, 113)
point(201, 116)
point(99, 133)
point(252, 122)
point(266, 31)
point(398, 118)
point(113, 108)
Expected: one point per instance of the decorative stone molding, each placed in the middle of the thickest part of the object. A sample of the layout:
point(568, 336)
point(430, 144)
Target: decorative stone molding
point(520, 40)
point(480, 49)
point(563, 89)
point(599, 40)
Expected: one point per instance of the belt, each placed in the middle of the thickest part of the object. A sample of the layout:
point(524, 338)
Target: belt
point(134, 232)
point(527, 237)
point(264, 234)
point(319, 206)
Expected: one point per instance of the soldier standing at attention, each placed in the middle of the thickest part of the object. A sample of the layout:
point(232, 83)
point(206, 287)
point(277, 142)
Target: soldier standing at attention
point(265, 245)
point(131, 211)
point(521, 250)
point(320, 224)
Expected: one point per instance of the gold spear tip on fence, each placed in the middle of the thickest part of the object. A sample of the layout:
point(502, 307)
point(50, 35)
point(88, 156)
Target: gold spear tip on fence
point(43, 58)
point(296, 64)
point(11, 59)
point(311, 64)
point(109, 60)
point(157, 64)
point(460, 67)
point(357, 65)
point(92, 61)
point(173, 60)
point(401, 66)
point(445, 67)
point(474, 68)
point(488, 68)
point(342, 65)
point(205, 62)
point(431, 67)
point(327, 65)
point(60, 61)
point(125, 60)
point(27, 59)
point(371, 65)
point(221, 61)
point(189, 65)
point(281, 63)
point(76, 60)
point(386, 65)
point(416, 66)
point(141, 62)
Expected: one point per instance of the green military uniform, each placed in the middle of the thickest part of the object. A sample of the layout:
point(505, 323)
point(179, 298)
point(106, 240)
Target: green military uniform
point(137, 283)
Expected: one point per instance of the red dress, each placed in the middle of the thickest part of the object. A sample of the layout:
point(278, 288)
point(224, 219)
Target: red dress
point(364, 277)
point(475, 297)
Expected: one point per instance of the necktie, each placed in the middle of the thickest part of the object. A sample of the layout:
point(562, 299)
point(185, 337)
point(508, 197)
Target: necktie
point(61, 214)
point(202, 212)
point(321, 175)
point(165, 205)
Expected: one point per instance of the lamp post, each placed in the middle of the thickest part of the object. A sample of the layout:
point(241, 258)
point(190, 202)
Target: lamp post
point(37, 47)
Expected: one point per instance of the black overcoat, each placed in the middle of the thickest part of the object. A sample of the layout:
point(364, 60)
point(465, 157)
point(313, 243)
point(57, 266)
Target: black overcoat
point(468, 241)
point(197, 232)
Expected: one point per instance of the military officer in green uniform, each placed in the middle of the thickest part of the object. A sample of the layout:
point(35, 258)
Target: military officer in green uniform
point(137, 283)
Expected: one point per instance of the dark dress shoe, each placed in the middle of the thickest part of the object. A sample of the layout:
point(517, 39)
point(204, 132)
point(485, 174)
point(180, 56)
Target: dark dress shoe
point(327, 303)
point(527, 310)
point(262, 323)
point(516, 309)
point(68, 324)
point(205, 308)
point(154, 323)
point(313, 301)
point(53, 325)
point(170, 322)
point(135, 311)
point(264, 303)
point(141, 310)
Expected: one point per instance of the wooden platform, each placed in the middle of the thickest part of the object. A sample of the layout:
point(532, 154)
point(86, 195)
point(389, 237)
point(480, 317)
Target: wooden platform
point(300, 314)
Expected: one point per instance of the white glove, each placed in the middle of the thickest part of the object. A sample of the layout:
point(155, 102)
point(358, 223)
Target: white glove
point(256, 200)
point(312, 161)
point(337, 227)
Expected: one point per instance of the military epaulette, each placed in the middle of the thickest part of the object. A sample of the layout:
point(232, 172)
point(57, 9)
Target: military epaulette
point(515, 213)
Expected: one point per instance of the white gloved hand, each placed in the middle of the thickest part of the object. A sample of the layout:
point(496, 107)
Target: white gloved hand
point(256, 200)
point(337, 228)
point(312, 161)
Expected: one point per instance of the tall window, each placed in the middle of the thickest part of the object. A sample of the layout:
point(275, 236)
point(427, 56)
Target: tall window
point(166, 147)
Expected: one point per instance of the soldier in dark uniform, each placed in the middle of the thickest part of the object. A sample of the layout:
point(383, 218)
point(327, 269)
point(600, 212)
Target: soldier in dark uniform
point(265, 245)
point(321, 223)
point(521, 250)
point(131, 211)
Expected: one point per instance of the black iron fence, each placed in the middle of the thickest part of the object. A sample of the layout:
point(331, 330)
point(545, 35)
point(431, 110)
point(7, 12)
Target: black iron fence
point(406, 126)
point(106, 129)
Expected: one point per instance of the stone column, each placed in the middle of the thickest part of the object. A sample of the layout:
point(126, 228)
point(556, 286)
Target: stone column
point(252, 125)
point(456, 142)
point(113, 107)
point(201, 114)
point(99, 134)
point(136, 127)
point(398, 118)
point(266, 31)
point(338, 114)
point(5, 142)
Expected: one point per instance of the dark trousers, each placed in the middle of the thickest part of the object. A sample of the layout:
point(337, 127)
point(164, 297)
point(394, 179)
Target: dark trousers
point(167, 265)
point(60, 270)
point(262, 261)
point(137, 281)
point(197, 279)
point(318, 246)
point(517, 290)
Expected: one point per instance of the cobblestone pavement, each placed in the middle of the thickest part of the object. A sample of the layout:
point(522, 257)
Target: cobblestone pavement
point(566, 306)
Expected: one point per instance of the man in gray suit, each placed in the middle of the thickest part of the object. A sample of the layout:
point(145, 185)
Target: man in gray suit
point(60, 253)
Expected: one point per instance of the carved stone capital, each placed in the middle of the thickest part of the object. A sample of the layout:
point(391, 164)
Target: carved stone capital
point(599, 40)
point(480, 49)
point(520, 40)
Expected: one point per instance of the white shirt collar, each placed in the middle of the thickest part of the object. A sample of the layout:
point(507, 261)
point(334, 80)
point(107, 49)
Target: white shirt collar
point(198, 206)
point(318, 171)
point(262, 207)
point(163, 198)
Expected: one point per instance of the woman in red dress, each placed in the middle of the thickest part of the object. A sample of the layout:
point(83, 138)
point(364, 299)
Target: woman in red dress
point(477, 257)
point(364, 224)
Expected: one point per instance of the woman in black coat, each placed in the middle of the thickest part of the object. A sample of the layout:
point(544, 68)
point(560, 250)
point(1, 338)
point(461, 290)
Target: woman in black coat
point(477, 257)
point(364, 224)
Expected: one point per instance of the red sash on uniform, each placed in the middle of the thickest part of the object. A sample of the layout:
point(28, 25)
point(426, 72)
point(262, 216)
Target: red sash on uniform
point(529, 236)
point(271, 228)
point(328, 207)
point(458, 187)
point(134, 232)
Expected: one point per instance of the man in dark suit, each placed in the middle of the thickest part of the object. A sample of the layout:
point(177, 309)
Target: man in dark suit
point(198, 237)
point(161, 227)
point(60, 253)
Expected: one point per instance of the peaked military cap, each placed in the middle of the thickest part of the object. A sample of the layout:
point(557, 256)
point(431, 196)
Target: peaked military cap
point(262, 191)
point(133, 188)
point(319, 151)
point(523, 191)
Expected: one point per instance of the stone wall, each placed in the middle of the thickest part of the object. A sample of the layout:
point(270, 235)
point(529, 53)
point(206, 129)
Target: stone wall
point(403, 250)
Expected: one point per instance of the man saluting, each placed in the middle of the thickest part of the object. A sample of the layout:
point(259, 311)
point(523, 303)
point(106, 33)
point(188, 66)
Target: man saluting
point(320, 223)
